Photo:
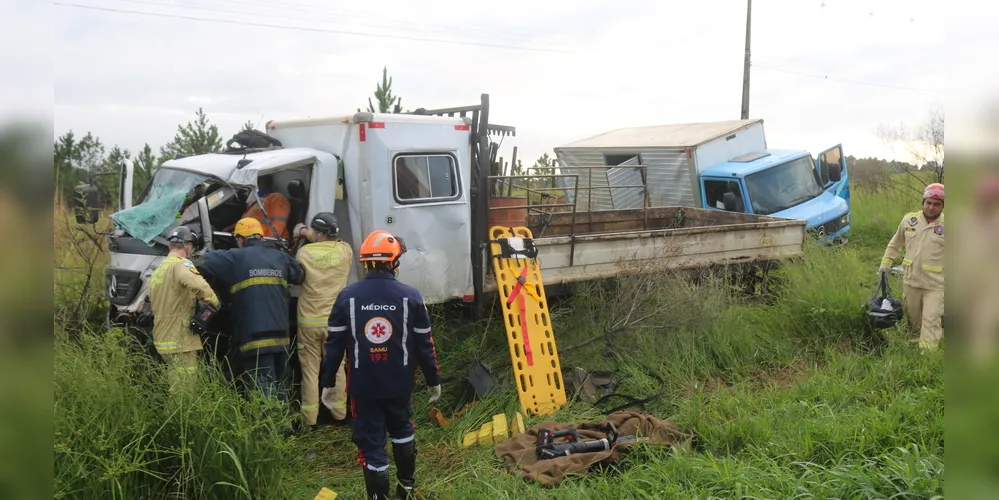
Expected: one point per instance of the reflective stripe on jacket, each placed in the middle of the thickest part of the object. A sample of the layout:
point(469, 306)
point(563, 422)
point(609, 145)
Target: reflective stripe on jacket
point(258, 277)
point(278, 209)
point(327, 267)
point(383, 327)
point(173, 287)
point(924, 250)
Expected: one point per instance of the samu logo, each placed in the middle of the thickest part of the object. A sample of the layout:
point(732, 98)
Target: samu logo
point(378, 330)
point(377, 307)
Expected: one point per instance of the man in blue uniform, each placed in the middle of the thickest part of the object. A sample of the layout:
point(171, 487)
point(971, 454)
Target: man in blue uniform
point(258, 277)
point(384, 328)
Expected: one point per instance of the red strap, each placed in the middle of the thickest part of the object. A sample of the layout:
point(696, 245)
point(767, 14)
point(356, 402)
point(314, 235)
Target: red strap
point(518, 286)
point(517, 289)
point(527, 339)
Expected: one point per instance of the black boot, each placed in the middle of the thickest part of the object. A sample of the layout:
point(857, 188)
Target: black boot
point(405, 464)
point(377, 484)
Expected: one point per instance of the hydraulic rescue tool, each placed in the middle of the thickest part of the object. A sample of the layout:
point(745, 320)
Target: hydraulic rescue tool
point(548, 449)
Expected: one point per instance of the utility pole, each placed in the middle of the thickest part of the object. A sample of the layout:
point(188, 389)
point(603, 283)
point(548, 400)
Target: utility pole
point(745, 68)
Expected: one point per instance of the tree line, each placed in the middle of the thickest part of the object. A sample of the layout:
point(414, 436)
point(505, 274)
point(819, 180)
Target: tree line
point(79, 158)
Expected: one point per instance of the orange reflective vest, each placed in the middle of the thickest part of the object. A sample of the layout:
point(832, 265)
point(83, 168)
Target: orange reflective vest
point(278, 208)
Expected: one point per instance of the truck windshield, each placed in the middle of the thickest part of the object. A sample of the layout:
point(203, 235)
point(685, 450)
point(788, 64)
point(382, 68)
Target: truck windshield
point(159, 204)
point(783, 186)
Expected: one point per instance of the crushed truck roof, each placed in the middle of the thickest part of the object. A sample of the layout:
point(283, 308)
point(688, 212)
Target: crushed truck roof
point(678, 135)
point(223, 165)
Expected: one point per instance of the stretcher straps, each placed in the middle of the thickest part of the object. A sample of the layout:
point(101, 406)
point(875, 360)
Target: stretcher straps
point(518, 291)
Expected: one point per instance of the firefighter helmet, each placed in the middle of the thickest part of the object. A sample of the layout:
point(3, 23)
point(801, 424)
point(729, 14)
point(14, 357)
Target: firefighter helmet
point(248, 226)
point(935, 190)
point(382, 246)
point(182, 233)
point(325, 222)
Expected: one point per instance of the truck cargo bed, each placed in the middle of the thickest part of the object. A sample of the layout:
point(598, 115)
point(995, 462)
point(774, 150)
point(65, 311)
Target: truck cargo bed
point(606, 244)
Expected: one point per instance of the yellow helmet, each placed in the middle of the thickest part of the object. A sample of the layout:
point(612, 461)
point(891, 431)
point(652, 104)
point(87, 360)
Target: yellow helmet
point(248, 226)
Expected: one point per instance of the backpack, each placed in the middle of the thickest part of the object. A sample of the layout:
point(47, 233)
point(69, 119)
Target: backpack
point(251, 139)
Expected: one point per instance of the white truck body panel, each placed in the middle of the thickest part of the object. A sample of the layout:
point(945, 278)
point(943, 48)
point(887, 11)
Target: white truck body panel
point(723, 148)
point(437, 232)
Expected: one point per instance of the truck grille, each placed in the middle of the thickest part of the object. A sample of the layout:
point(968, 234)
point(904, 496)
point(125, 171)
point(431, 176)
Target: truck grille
point(121, 286)
point(828, 228)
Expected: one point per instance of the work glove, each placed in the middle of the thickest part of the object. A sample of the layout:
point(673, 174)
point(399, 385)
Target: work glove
point(327, 398)
point(295, 233)
point(435, 393)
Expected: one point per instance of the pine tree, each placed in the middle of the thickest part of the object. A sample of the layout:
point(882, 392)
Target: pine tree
point(195, 138)
point(383, 93)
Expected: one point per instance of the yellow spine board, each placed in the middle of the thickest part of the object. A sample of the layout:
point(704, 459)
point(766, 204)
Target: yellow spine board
point(538, 379)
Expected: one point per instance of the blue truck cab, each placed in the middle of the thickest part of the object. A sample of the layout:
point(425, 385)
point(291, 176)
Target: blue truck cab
point(784, 183)
point(721, 165)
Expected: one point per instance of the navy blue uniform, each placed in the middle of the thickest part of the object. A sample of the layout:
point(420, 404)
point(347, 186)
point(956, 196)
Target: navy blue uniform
point(258, 278)
point(383, 327)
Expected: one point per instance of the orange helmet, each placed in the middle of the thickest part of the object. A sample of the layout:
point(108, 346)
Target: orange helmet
point(382, 246)
point(935, 190)
point(248, 226)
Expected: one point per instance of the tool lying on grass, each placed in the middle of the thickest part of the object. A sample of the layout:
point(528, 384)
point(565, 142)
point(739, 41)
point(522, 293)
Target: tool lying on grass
point(549, 449)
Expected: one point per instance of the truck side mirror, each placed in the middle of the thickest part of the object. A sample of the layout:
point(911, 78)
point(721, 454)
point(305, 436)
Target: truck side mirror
point(729, 200)
point(85, 204)
point(835, 172)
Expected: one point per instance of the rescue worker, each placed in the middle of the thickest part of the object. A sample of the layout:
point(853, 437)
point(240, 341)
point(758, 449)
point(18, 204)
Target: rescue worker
point(277, 206)
point(173, 288)
point(383, 327)
point(922, 235)
point(327, 264)
point(258, 277)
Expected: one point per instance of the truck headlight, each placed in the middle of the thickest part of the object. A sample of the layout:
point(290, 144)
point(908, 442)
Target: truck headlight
point(844, 220)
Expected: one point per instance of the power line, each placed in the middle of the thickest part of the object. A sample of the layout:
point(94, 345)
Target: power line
point(302, 28)
point(827, 77)
point(285, 16)
point(310, 8)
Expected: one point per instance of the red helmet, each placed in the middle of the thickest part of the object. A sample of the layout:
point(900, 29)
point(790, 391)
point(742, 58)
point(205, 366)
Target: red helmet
point(935, 190)
point(382, 246)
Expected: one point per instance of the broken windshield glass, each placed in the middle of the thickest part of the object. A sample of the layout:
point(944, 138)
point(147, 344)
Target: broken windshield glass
point(160, 204)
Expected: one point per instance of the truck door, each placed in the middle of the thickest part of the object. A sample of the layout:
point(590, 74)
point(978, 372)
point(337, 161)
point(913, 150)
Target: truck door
point(832, 171)
point(422, 194)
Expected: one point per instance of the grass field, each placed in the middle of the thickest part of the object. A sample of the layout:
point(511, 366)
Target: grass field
point(793, 399)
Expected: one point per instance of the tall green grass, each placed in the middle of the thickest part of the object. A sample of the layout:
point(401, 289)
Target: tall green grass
point(795, 398)
point(120, 434)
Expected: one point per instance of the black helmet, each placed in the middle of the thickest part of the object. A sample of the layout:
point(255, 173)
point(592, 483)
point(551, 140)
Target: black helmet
point(182, 233)
point(325, 222)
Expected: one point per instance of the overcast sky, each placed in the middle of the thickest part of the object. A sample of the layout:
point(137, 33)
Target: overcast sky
point(822, 75)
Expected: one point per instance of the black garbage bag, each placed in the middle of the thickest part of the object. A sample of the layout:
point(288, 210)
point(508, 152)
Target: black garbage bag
point(878, 315)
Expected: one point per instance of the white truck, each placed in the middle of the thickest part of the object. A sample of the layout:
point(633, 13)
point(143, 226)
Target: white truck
point(430, 177)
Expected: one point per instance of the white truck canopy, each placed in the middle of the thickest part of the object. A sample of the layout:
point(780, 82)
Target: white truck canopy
point(680, 135)
point(670, 157)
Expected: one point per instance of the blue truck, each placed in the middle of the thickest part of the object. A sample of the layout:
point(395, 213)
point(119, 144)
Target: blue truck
point(723, 165)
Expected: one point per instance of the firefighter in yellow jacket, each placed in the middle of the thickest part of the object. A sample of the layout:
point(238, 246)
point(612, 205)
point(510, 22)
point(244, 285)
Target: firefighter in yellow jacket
point(327, 266)
point(172, 291)
point(922, 235)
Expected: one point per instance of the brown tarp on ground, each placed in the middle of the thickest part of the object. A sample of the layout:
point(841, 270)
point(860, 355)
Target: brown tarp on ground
point(520, 451)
